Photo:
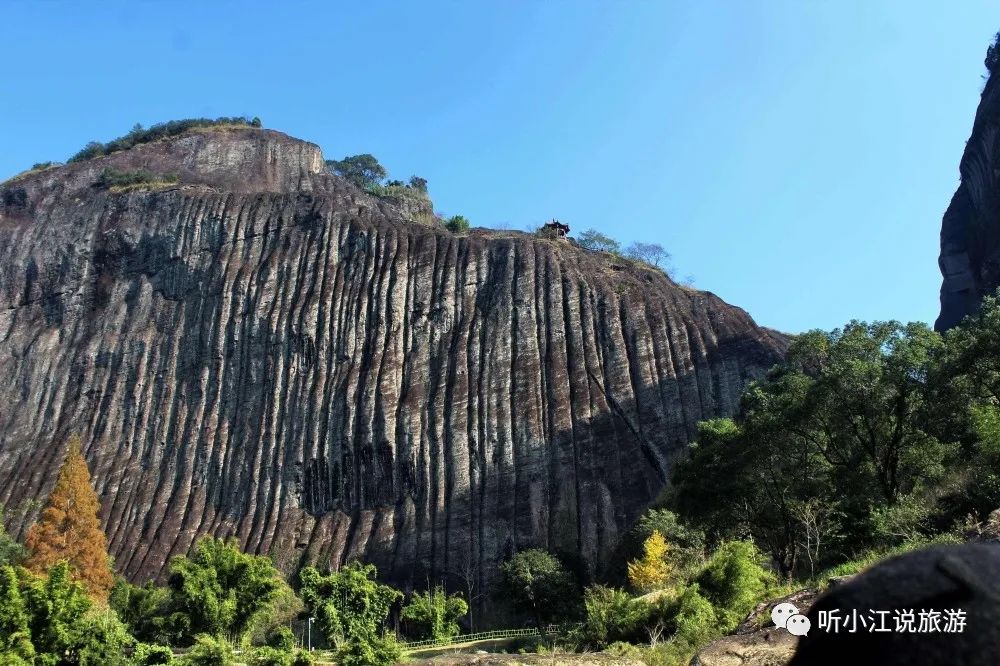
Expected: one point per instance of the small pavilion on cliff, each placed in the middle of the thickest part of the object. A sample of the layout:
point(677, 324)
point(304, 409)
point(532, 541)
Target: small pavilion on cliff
point(556, 229)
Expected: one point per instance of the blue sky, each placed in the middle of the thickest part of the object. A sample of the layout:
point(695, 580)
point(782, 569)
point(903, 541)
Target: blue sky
point(795, 157)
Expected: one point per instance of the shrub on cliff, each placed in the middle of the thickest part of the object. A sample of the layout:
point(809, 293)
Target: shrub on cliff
point(362, 170)
point(139, 134)
point(457, 224)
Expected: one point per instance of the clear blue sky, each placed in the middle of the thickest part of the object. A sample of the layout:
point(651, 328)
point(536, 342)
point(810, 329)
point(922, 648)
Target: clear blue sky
point(795, 157)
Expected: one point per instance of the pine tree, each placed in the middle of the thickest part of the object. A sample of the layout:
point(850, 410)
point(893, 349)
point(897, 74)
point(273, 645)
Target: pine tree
point(69, 529)
point(652, 571)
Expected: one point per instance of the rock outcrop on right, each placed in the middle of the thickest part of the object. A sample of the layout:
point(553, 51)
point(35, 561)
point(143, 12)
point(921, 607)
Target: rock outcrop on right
point(970, 232)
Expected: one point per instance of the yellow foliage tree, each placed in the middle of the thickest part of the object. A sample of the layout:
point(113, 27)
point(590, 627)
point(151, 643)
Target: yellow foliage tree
point(652, 571)
point(69, 529)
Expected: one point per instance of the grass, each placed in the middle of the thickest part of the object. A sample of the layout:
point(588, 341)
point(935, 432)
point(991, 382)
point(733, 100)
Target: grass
point(139, 179)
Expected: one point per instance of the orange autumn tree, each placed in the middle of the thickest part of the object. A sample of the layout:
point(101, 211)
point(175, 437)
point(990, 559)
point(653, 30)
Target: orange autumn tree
point(69, 529)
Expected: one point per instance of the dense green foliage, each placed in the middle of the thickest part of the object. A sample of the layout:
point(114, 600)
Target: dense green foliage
point(139, 135)
point(115, 178)
point(872, 436)
point(433, 614)
point(147, 611)
point(146, 654)
point(52, 620)
point(351, 608)
point(11, 552)
point(687, 545)
point(540, 586)
point(209, 651)
point(611, 615)
point(221, 591)
point(362, 170)
point(457, 224)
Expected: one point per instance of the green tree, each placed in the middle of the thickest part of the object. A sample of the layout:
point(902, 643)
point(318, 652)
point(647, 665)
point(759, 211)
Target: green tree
point(146, 654)
point(687, 544)
point(15, 634)
point(351, 608)
point(733, 581)
point(105, 639)
point(11, 552)
point(209, 650)
point(538, 584)
point(418, 183)
point(145, 609)
point(362, 170)
point(434, 614)
point(221, 590)
point(57, 606)
point(594, 240)
point(457, 224)
point(612, 615)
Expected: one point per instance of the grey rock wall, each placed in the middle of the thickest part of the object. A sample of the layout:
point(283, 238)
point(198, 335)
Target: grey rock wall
point(263, 351)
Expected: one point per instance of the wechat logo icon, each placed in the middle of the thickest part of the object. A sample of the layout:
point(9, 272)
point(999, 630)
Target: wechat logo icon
point(787, 616)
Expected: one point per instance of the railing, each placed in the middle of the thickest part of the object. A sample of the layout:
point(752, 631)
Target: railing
point(473, 638)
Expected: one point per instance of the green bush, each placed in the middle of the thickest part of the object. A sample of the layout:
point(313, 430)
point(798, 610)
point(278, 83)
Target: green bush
point(538, 584)
point(147, 654)
point(457, 224)
point(302, 658)
point(269, 656)
point(434, 614)
point(221, 590)
point(612, 616)
point(281, 638)
point(209, 651)
point(695, 619)
point(379, 651)
point(140, 135)
point(105, 639)
point(733, 581)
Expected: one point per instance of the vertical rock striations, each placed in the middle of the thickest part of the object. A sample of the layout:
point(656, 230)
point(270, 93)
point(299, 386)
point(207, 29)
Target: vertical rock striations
point(264, 351)
point(970, 232)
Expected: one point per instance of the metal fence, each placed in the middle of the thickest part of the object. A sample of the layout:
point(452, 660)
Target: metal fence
point(482, 636)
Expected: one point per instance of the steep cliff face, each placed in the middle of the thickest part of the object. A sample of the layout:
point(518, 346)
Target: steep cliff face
point(264, 351)
point(970, 233)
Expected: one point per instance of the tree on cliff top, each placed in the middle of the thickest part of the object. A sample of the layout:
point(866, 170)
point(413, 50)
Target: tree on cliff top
point(362, 170)
point(69, 529)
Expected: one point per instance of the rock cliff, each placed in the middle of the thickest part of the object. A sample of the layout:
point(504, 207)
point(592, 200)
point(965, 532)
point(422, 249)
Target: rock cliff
point(261, 350)
point(970, 232)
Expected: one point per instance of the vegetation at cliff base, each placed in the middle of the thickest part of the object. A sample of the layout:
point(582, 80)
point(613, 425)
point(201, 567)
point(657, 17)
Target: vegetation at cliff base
point(139, 134)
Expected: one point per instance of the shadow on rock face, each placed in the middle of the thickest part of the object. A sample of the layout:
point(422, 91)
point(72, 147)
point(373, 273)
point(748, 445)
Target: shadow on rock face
point(937, 606)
